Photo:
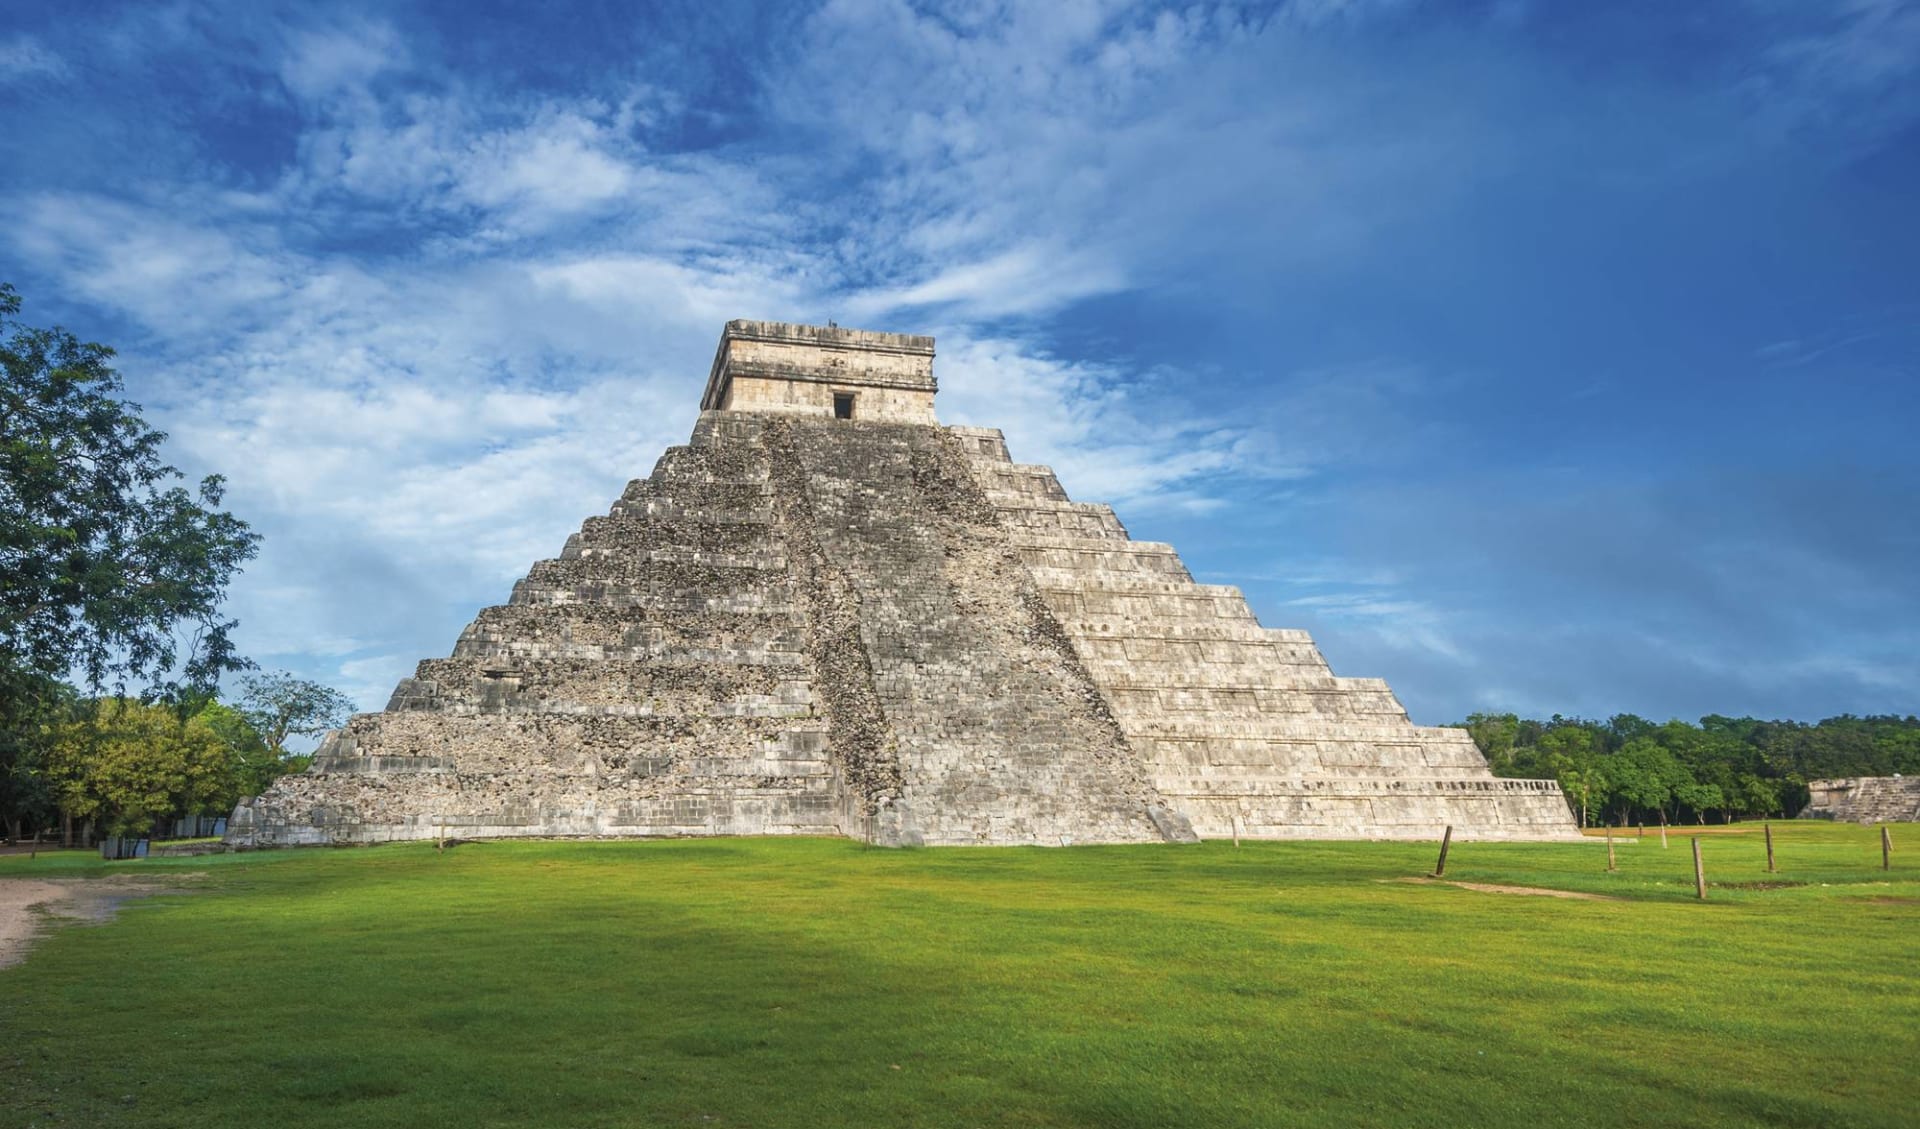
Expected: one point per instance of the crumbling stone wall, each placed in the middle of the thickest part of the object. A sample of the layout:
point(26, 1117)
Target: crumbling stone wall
point(1864, 799)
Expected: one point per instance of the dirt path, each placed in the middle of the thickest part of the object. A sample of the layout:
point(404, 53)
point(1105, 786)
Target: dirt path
point(1535, 891)
point(29, 905)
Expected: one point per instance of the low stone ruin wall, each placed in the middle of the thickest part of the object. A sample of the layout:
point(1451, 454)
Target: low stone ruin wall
point(1865, 799)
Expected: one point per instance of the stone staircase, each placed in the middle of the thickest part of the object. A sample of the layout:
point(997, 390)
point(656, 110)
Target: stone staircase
point(1239, 726)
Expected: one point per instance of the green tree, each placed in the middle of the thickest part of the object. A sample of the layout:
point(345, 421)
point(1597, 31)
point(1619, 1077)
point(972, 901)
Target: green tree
point(1759, 796)
point(1702, 798)
point(109, 569)
point(280, 706)
point(1573, 741)
point(27, 799)
point(1644, 776)
point(1624, 727)
point(1730, 765)
point(253, 764)
point(1496, 734)
point(131, 764)
point(1580, 785)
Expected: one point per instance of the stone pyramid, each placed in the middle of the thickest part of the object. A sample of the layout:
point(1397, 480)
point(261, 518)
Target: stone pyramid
point(830, 615)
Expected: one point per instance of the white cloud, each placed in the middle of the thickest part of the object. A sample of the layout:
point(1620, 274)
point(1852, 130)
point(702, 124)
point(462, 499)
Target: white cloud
point(1082, 419)
point(487, 172)
point(1027, 157)
point(321, 63)
point(24, 58)
point(411, 438)
point(1026, 280)
point(369, 681)
point(1387, 621)
point(413, 424)
point(556, 166)
point(180, 276)
point(1316, 13)
point(646, 289)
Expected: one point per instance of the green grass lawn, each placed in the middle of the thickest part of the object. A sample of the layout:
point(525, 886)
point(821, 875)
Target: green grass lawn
point(818, 982)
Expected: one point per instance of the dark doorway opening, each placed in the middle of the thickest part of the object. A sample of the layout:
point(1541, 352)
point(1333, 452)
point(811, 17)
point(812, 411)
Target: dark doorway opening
point(843, 405)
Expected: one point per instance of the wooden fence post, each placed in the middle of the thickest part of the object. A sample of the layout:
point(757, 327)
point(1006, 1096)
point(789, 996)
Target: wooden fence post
point(1446, 840)
point(1663, 830)
point(1610, 865)
point(1768, 827)
point(1699, 872)
point(1886, 848)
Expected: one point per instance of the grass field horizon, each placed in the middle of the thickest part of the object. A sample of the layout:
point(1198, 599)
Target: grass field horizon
point(820, 982)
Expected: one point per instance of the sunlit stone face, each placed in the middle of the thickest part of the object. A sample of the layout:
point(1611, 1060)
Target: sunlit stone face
point(851, 374)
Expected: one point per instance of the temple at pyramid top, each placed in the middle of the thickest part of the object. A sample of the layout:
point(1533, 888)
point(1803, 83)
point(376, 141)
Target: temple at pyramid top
point(777, 366)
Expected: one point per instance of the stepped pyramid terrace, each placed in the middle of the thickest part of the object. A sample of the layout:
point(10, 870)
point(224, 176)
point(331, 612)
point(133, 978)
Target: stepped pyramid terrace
point(828, 614)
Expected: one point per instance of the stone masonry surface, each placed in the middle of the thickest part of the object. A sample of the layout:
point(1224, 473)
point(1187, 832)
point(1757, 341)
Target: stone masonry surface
point(1865, 799)
point(882, 628)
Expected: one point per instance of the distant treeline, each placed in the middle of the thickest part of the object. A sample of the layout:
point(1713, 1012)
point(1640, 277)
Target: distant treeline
point(1627, 769)
point(122, 766)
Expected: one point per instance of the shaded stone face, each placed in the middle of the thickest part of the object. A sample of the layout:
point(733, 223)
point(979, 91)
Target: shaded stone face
point(827, 614)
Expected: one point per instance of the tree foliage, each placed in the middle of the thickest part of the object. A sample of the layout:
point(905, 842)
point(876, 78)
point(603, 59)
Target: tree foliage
point(111, 572)
point(130, 765)
point(133, 763)
point(1629, 769)
point(108, 567)
point(252, 762)
point(280, 706)
point(33, 706)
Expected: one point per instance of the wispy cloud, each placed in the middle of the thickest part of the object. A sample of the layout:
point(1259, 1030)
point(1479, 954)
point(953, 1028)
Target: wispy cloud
point(320, 63)
point(1855, 44)
point(430, 297)
point(1846, 68)
point(24, 58)
point(436, 420)
point(1399, 624)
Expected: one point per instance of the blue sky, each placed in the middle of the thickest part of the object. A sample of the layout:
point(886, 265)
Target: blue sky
point(1535, 356)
